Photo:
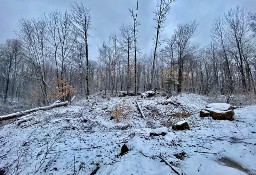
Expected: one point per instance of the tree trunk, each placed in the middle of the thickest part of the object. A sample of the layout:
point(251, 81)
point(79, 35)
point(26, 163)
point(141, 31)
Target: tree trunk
point(128, 66)
point(180, 74)
point(87, 69)
point(7, 80)
point(135, 59)
point(154, 56)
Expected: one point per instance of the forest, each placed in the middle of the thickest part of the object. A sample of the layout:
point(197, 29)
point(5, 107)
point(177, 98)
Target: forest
point(186, 106)
point(50, 59)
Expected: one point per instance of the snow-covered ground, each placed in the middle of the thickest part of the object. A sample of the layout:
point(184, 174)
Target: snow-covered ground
point(86, 138)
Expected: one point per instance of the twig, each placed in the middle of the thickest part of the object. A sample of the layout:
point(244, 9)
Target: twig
point(204, 152)
point(199, 167)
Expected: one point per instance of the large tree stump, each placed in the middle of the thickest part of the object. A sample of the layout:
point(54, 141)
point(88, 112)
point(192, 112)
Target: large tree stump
point(218, 111)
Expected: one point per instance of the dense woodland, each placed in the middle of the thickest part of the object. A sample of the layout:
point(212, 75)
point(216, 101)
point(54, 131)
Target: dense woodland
point(50, 58)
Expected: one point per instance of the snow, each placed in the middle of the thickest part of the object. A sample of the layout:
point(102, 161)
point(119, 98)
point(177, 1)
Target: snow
point(181, 122)
point(81, 137)
point(135, 163)
point(218, 106)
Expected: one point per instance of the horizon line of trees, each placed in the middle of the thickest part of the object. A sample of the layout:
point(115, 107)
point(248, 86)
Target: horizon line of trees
point(50, 58)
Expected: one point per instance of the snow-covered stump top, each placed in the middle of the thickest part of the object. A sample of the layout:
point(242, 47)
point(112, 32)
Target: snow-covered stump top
point(218, 111)
point(218, 107)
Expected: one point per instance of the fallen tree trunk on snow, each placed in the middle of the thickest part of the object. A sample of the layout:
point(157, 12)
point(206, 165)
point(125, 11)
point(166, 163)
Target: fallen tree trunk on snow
point(22, 113)
point(140, 110)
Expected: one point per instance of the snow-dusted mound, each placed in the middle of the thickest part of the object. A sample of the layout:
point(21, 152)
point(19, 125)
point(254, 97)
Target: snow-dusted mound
point(87, 138)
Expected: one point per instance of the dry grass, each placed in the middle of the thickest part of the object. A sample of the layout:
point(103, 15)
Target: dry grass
point(120, 111)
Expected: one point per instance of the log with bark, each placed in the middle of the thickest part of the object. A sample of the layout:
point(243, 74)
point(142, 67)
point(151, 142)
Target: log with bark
point(26, 112)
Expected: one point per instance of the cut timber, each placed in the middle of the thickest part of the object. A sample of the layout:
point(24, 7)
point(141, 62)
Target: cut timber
point(181, 125)
point(148, 94)
point(140, 110)
point(122, 94)
point(22, 113)
point(218, 111)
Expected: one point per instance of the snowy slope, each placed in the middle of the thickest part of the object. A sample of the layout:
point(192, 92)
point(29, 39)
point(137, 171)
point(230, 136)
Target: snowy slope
point(82, 138)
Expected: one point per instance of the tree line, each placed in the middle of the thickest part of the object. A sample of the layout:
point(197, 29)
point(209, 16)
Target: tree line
point(50, 57)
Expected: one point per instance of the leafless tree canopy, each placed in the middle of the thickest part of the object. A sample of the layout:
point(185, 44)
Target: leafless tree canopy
point(49, 60)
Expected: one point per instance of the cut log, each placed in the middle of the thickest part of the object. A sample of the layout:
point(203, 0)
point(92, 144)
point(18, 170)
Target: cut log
point(140, 110)
point(181, 125)
point(227, 115)
point(148, 94)
point(122, 94)
point(218, 111)
point(158, 132)
point(22, 113)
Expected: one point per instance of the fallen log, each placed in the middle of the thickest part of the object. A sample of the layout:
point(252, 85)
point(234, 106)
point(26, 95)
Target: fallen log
point(140, 110)
point(26, 112)
point(148, 94)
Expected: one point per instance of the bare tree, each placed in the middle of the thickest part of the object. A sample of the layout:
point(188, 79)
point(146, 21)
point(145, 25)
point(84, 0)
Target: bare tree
point(163, 8)
point(82, 22)
point(134, 14)
point(53, 38)
point(238, 28)
point(10, 52)
point(218, 36)
point(33, 35)
point(183, 35)
point(126, 42)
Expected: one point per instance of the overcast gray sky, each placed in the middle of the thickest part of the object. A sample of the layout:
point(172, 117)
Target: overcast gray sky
point(109, 15)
